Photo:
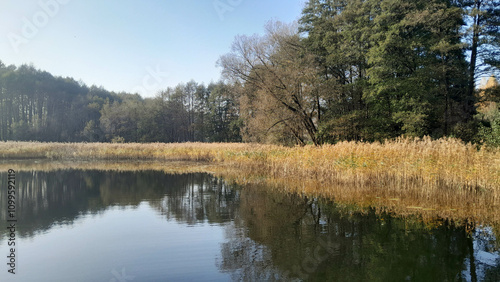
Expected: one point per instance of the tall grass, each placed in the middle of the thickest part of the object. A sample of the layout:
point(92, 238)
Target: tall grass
point(411, 175)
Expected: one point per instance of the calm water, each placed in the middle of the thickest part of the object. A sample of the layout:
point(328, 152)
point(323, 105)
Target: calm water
point(78, 225)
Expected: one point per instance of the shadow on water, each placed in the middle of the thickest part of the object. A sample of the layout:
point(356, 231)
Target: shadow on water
point(267, 235)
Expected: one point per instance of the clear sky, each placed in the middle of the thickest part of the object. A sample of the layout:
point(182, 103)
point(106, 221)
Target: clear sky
point(132, 45)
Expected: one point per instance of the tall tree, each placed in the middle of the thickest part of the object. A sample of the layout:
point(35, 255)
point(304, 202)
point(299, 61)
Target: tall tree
point(121, 119)
point(398, 66)
point(483, 36)
point(417, 44)
point(279, 70)
point(222, 117)
point(338, 34)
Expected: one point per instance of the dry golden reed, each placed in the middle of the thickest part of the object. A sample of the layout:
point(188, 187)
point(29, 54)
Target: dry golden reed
point(409, 175)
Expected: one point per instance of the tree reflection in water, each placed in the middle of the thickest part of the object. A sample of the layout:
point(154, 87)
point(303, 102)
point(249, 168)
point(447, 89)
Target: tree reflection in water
point(268, 235)
point(278, 235)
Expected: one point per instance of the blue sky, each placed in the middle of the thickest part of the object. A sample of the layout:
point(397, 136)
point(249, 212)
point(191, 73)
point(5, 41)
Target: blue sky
point(132, 45)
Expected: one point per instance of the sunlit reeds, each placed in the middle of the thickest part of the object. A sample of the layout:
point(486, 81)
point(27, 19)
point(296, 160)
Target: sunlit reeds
point(408, 175)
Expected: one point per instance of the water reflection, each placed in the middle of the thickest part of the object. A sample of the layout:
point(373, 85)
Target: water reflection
point(266, 235)
point(300, 238)
point(52, 198)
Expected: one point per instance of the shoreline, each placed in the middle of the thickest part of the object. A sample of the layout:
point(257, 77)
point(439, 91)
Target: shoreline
point(441, 178)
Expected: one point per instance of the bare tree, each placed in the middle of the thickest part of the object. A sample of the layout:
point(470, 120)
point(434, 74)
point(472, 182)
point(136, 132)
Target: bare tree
point(281, 74)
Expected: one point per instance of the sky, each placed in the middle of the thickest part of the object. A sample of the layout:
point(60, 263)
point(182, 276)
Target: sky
point(132, 45)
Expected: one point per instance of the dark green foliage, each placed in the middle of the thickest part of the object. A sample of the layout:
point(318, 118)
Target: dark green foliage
point(395, 67)
point(221, 122)
point(34, 105)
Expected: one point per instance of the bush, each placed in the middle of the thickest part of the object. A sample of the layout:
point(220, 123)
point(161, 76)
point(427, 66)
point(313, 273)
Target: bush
point(489, 130)
point(118, 139)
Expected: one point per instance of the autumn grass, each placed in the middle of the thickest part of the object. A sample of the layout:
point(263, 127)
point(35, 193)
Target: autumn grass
point(436, 177)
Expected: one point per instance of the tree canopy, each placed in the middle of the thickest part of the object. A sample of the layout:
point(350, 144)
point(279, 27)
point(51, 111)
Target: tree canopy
point(347, 70)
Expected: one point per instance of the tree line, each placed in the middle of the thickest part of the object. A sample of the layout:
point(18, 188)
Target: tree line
point(34, 105)
point(368, 70)
point(348, 70)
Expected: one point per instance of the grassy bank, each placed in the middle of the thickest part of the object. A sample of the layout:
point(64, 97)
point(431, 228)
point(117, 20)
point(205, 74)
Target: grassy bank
point(445, 176)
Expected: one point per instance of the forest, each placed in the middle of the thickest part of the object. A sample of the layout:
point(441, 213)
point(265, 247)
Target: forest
point(354, 70)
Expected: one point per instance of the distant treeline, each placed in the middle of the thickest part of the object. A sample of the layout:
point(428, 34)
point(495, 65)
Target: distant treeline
point(349, 70)
point(34, 105)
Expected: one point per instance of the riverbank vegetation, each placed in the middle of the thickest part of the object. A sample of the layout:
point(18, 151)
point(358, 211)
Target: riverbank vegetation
point(424, 176)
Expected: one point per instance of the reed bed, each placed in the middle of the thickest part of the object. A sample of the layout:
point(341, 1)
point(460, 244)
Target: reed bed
point(408, 175)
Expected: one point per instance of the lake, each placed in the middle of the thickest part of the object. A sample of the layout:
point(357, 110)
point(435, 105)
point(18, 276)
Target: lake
point(95, 225)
